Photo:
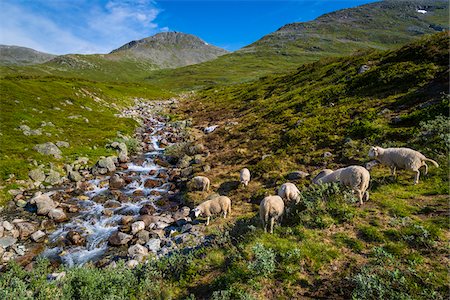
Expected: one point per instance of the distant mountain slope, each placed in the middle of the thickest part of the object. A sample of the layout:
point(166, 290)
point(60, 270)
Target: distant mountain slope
point(15, 55)
point(170, 49)
point(381, 25)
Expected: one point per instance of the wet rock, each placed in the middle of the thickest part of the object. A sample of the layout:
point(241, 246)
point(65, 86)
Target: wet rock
point(48, 149)
point(25, 229)
point(43, 202)
point(53, 178)
point(137, 226)
point(154, 245)
point(37, 175)
point(138, 252)
point(58, 215)
point(119, 238)
point(297, 175)
point(147, 209)
point(116, 182)
point(38, 236)
point(148, 219)
point(108, 212)
point(138, 193)
point(152, 183)
point(126, 220)
point(7, 241)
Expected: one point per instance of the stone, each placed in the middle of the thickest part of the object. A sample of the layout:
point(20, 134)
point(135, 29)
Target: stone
point(105, 165)
point(152, 183)
point(26, 229)
point(137, 226)
point(116, 182)
point(137, 252)
point(7, 241)
point(186, 228)
point(37, 175)
point(2, 231)
point(19, 249)
point(75, 238)
point(327, 154)
point(126, 220)
point(8, 226)
point(48, 149)
point(154, 245)
point(62, 144)
point(131, 264)
point(143, 237)
point(161, 225)
point(83, 197)
point(363, 68)
point(56, 276)
point(119, 238)
point(7, 256)
point(147, 209)
point(184, 162)
point(58, 215)
point(297, 175)
point(53, 178)
point(43, 202)
point(74, 176)
point(21, 203)
point(38, 236)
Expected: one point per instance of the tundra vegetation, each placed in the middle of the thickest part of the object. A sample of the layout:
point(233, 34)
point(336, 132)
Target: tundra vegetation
point(394, 246)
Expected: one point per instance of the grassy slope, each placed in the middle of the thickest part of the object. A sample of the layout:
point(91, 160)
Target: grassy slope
point(30, 101)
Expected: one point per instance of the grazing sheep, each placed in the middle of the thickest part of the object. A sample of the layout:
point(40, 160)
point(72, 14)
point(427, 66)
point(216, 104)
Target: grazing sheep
point(245, 176)
point(355, 177)
point(199, 183)
point(221, 204)
point(271, 209)
point(289, 192)
point(321, 174)
point(401, 158)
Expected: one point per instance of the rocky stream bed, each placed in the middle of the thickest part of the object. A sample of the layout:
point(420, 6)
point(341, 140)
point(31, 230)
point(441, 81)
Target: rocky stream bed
point(123, 208)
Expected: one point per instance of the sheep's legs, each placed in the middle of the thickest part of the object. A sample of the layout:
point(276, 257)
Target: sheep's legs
point(272, 222)
point(393, 169)
point(416, 180)
point(360, 197)
point(264, 226)
point(225, 214)
point(207, 221)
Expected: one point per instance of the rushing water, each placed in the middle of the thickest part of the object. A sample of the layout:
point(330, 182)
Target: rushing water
point(92, 223)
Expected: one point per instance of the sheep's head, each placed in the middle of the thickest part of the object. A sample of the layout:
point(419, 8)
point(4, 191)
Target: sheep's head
point(373, 152)
point(197, 212)
point(323, 173)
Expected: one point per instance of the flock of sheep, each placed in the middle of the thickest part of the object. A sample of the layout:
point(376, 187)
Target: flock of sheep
point(272, 208)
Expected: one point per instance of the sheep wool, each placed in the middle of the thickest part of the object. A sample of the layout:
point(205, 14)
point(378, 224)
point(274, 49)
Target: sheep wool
point(289, 192)
point(245, 176)
point(215, 206)
point(271, 210)
point(201, 183)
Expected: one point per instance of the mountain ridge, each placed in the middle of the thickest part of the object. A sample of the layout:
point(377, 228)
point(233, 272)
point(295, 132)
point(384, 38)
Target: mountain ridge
point(18, 55)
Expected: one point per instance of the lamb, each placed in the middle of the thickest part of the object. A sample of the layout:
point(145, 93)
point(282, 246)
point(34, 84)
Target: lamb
point(217, 205)
point(355, 177)
point(271, 209)
point(401, 158)
point(199, 183)
point(245, 176)
point(289, 192)
point(321, 174)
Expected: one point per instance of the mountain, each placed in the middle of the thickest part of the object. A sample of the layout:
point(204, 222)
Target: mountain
point(382, 25)
point(21, 56)
point(170, 50)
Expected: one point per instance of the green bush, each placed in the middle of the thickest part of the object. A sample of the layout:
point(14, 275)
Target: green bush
point(264, 260)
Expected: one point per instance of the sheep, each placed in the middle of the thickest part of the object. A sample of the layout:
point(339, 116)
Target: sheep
point(401, 158)
point(321, 174)
point(245, 176)
point(355, 177)
point(199, 183)
point(289, 192)
point(271, 209)
point(217, 205)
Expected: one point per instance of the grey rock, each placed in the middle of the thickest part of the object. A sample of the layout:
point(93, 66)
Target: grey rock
point(119, 238)
point(8, 226)
point(43, 202)
point(186, 228)
point(363, 68)
point(154, 245)
point(7, 241)
point(62, 144)
point(74, 176)
point(58, 215)
point(297, 175)
point(137, 252)
point(53, 178)
point(38, 236)
point(116, 182)
point(26, 229)
point(37, 175)
point(48, 149)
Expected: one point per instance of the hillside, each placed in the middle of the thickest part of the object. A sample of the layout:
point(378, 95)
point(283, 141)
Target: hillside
point(381, 25)
point(21, 56)
point(130, 62)
point(394, 246)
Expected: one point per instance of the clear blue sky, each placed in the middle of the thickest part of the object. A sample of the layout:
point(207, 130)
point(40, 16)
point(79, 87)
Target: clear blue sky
point(99, 26)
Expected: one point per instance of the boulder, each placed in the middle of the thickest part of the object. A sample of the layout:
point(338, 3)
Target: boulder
point(138, 252)
point(38, 236)
point(152, 183)
point(137, 226)
point(143, 237)
point(131, 264)
point(53, 178)
point(37, 175)
point(62, 144)
point(147, 209)
point(7, 241)
point(48, 149)
point(297, 175)
point(75, 238)
point(25, 229)
point(116, 182)
point(58, 215)
point(154, 245)
point(112, 204)
point(119, 238)
point(43, 202)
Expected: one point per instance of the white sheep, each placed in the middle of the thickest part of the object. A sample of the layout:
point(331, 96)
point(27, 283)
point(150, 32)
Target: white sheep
point(289, 192)
point(401, 158)
point(217, 205)
point(355, 177)
point(271, 209)
point(199, 183)
point(321, 174)
point(245, 176)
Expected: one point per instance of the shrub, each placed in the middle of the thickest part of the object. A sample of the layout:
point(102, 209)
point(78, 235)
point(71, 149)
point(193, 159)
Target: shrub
point(436, 132)
point(264, 260)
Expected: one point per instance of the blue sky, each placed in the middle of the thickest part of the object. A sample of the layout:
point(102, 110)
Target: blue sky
point(99, 26)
